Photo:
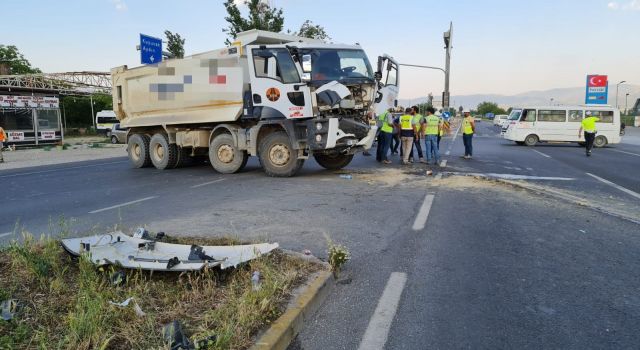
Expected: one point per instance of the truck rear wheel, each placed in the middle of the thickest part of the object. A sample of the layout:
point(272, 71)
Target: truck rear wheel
point(138, 150)
point(163, 154)
point(333, 161)
point(277, 156)
point(224, 156)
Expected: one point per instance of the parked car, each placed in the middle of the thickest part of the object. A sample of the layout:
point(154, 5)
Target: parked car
point(118, 134)
point(500, 119)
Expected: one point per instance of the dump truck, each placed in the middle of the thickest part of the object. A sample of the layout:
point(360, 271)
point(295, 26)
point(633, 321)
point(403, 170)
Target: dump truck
point(278, 97)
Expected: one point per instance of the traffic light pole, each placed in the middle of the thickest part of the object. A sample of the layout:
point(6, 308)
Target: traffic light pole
point(448, 36)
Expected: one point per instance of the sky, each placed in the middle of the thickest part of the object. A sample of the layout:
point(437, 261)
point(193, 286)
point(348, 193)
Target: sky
point(499, 46)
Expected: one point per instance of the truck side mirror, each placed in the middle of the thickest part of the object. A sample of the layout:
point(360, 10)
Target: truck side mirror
point(306, 64)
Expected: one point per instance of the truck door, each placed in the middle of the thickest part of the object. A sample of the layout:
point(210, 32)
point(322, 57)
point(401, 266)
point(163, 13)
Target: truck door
point(276, 85)
point(390, 87)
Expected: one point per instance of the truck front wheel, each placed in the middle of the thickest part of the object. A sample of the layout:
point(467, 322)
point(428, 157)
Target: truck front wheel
point(138, 150)
point(163, 154)
point(333, 161)
point(224, 156)
point(277, 156)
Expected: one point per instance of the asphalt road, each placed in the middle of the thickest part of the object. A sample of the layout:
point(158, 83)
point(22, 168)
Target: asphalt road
point(493, 266)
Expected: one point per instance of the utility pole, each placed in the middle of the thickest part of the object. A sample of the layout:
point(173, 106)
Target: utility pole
point(626, 106)
point(448, 39)
point(617, 87)
point(93, 116)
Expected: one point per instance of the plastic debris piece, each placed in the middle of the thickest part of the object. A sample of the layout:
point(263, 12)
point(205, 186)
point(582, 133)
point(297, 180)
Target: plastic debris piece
point(175, 337)
point(306, 252)
point(118, 278)
point(346, 176)
point(141, 233)
point(429, 172)
point(255, 281)
point(8, 309)
point(126, 303)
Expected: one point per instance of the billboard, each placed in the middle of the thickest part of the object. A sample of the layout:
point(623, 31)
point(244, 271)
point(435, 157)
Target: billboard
point(28, 102)
point(597, 89)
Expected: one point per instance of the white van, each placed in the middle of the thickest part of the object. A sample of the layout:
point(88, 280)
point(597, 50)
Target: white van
point(532, 124)
point(105, 121)
point(500, 119)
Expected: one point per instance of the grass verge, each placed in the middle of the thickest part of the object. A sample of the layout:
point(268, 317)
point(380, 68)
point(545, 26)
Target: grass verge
point(64, 302)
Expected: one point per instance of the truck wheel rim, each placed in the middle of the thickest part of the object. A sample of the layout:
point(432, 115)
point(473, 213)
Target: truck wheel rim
point(225, 154)
point(279, 155)
point(136, 151)
point(159, 151)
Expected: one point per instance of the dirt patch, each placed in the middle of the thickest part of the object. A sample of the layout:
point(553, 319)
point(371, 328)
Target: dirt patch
point(64, 302)
point(457, 182)
point(390, 177)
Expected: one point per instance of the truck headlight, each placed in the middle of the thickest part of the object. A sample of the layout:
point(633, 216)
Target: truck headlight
point(318, 138)
point(319, 126)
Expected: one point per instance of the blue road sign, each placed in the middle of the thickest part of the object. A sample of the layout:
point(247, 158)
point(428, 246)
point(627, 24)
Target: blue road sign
point(446, 115)
point(150, 49)
point(597, 89)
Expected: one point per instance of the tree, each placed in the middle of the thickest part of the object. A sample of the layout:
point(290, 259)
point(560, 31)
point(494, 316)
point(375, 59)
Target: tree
point(175, 44)
point(310, 30)
point(261, 17)
point(490, 107)
point(10, 56)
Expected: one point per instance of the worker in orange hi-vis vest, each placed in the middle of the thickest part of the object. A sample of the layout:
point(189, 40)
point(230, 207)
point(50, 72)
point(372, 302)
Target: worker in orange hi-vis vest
point(3, 139)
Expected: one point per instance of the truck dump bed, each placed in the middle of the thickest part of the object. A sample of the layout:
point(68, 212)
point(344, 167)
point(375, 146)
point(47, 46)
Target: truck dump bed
point(203, 88)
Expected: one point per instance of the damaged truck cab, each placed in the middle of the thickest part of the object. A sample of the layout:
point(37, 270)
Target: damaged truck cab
point(278, 97)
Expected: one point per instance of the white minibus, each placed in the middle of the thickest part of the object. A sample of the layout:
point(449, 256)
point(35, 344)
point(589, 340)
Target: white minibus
point(105, 120)
point(529, 125)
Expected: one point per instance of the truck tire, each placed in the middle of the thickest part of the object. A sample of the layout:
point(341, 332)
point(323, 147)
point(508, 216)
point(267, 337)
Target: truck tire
point(531, 140)
point(163, 154)
point(600, 141)
point(334, 161)
point(277, 156)
point(224, 156)
point(138, 150)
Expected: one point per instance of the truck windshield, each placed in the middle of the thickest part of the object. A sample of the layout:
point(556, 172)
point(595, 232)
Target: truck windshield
point(330, 64)
point(515, 114)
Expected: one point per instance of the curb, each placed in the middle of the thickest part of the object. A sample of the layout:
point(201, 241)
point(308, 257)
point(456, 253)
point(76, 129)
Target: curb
point(282, 332)
point(550, 192)
point(570, 198)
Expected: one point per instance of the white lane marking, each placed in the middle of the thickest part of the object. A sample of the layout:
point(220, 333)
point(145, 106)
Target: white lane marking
point(421, 219)
point(207, 183)
point(542, 154)
point(375, 337)
point(122, 205)
point(443, 163)
point(633, 154)
point(625, 190)
point(5, 234)
point(456, 134)
point(62, 169)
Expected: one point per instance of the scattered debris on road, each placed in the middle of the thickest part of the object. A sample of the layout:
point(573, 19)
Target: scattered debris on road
point(141, 252)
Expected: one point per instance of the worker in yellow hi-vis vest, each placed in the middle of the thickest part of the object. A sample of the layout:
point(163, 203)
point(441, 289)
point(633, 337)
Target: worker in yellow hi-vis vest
point(407, 132)
point(468, 129)
point(431, 130)
point(588, 125)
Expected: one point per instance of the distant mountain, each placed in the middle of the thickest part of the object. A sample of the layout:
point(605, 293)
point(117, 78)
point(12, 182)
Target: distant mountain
point(563, 96)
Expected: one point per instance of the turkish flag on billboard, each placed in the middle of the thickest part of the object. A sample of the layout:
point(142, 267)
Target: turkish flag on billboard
point(597, 81)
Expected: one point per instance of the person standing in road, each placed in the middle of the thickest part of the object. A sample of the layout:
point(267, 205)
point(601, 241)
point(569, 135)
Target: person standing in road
point(468, 129)
point(3, 139)
point(418, 120)
point(444, 128)
point(407, 131)
point(588, 125)
point(432, 130)
point(384, 138)
point(395, 140)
